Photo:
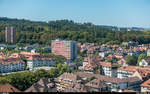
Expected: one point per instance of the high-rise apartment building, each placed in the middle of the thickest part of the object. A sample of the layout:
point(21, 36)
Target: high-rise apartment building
point(10, 34)
point(68, 49)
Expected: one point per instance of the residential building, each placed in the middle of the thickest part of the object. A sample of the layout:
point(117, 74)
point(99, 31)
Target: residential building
point(122, 62)
point(108, 69)
point(10, 34)
point(90, 64)
point(66, 80)
point(127, 90)
point(126, 71)
point(144, 62)
point(103, 54)
point(28, 54)
point(7, 88)
point(113, 83)
point(29, 48)
point(148, 52)
point(11, 47)
point(2, 46)
point(143, 74)
point(14, 55)
point(78, 87)
point(43, 85)
point(145, 87)
point(131, 71)
point(68, 49)
point(8, 65)
point(2, 55)
point(39, 61)
point(133, 53)
point(96, 85)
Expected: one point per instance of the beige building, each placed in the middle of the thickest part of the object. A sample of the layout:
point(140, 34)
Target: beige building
point(148, 52)
point(66, 80)
point(68, 49)
point(10, 34)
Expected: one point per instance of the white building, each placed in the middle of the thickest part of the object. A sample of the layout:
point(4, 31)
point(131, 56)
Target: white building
point(9, 65)
point(130, 71)
point(113, 83)
point(144, 62)
point(108, 69)
point(148, 52)
point(126, 71)
point(133, 53)
point(33, 51)
point(39, 61)
point(103, 54)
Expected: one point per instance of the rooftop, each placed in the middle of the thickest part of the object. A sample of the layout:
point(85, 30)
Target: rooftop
point(8, 88)
point(96, 83)
point(146, 84)
point(107, 78)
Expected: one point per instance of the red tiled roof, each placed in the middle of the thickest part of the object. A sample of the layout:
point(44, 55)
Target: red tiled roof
point(105, 64)
point(129, 68)
point(146, 84)
point(40, 57)
point(120, 61)
point(11, 60)
point(144, 72)
point(69, 76)
point(107, 78)
point(28, 53)
point(96, 83)
point(8, 88)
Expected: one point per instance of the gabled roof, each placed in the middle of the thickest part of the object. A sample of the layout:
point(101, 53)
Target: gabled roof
point(69, 76)
point(92, 62)
point(107, 78)
point(40, 57)
point(146, 84)
point(6, 61)
point(28, 53)
point(144, 72)
point(96, 83)
point(76, 88)
point(8, 88)
point(43, 85)
point(105, 64)
point(129, 68)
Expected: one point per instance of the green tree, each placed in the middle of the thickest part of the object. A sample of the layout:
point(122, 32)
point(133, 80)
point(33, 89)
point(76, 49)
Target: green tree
point(140, 57)
point(42, 51)
point(131, 60)
point(41, 73)
point(4, 80)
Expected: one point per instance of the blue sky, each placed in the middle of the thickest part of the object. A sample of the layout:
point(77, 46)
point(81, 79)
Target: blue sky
point(124, 13)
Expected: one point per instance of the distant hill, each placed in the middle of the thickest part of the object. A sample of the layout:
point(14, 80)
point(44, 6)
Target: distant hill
point(64, 25)
point(32, 32)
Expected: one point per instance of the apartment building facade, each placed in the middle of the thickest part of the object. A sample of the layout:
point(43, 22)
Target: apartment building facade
point(68, 49)
point(113, 83)
point(8, 65)
point(108, 69)
point(66, 80)
point(39, 61)
point(10, 34)
point(126, 71)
